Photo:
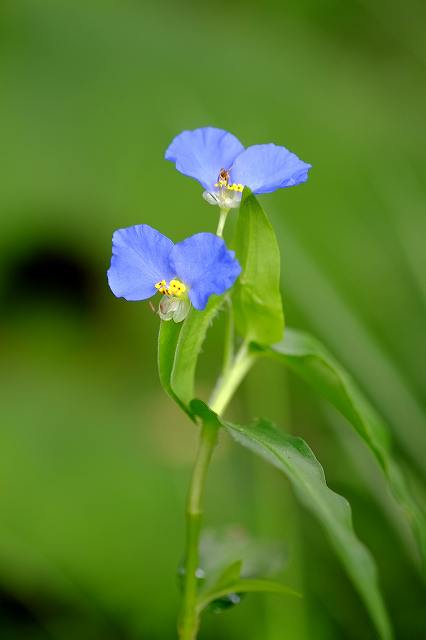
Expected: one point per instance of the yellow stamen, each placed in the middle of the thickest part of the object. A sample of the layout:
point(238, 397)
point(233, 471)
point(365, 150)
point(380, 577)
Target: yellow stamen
point(161, 286)
point(235, 187)
point(175, 288)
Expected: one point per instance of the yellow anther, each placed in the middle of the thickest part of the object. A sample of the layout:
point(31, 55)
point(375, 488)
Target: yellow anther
point(235, 187)
point(161, 286)
point(175, 288)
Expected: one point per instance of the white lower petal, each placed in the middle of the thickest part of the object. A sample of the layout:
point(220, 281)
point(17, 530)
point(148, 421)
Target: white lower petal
point(172, 308)
point(223, 198)
point(210, 197)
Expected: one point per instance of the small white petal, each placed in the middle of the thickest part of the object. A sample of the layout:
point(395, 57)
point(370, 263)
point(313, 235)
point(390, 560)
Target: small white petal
point(172, 308)
point(167, 307)
point(210, 197)
point(224, 198)
point(182, 310)
point(233, 200)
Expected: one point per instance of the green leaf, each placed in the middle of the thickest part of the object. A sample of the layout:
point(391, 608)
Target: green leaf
point(295, 459)
point(179, 346)
point(229, 575)
point(229, 582)
point(293, 456)
point(219, 582)
point(243, 586)
point(190, 342)
point(256, 296)
point(167, 341)
point(311, 360)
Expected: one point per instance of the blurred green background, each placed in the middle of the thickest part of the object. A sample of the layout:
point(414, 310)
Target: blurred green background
point(95, 460)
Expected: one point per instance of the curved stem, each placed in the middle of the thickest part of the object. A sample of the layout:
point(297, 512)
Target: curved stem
point(225, 389)
point(231, 380)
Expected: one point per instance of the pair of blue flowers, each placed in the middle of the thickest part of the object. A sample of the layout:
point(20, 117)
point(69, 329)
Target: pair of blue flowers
point(145, 262)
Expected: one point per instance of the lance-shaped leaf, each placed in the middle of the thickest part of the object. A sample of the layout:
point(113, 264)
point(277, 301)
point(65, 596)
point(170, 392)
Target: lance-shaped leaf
point(244, 585)
point(256, 296)
point(294, 458)
point(311, 360)
point(225, 588)
point(217, 592)
point(179, 347)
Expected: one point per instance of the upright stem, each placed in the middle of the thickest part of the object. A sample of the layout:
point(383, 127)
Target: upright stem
point(228, 352)
point(221, 223)
point(188, 620)
point(231, 379)
point(188, 624)
point(233, 373)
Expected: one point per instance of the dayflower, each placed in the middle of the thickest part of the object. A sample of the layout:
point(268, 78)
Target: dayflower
point(221, 164)
point(145, 262)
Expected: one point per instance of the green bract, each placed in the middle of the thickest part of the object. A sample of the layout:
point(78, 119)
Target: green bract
point(178, 349)
point(256, 296)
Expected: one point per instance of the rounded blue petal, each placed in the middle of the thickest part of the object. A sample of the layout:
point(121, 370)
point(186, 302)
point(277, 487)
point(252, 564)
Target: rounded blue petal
point(140, 259)
point(202, 153)
point(266, 167)
point(204, 264)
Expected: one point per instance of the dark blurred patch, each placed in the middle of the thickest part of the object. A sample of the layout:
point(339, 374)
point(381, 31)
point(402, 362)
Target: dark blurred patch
point(41, 618)
point(15, 613)
point(48, 276)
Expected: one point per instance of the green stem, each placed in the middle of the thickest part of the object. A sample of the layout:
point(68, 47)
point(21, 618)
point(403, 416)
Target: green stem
point(228, 352)
point(188, 626)
point(221, 223)
point(231, 379)
point(228, 384)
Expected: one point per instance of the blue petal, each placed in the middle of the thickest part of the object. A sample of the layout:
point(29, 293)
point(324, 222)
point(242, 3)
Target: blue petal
point(204, 264)
point(202, 153)
point(266, 167)
point(140, 259)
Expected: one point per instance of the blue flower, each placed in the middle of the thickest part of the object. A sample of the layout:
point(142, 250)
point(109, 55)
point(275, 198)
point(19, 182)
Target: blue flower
point(219, 162)
point(145, 262)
